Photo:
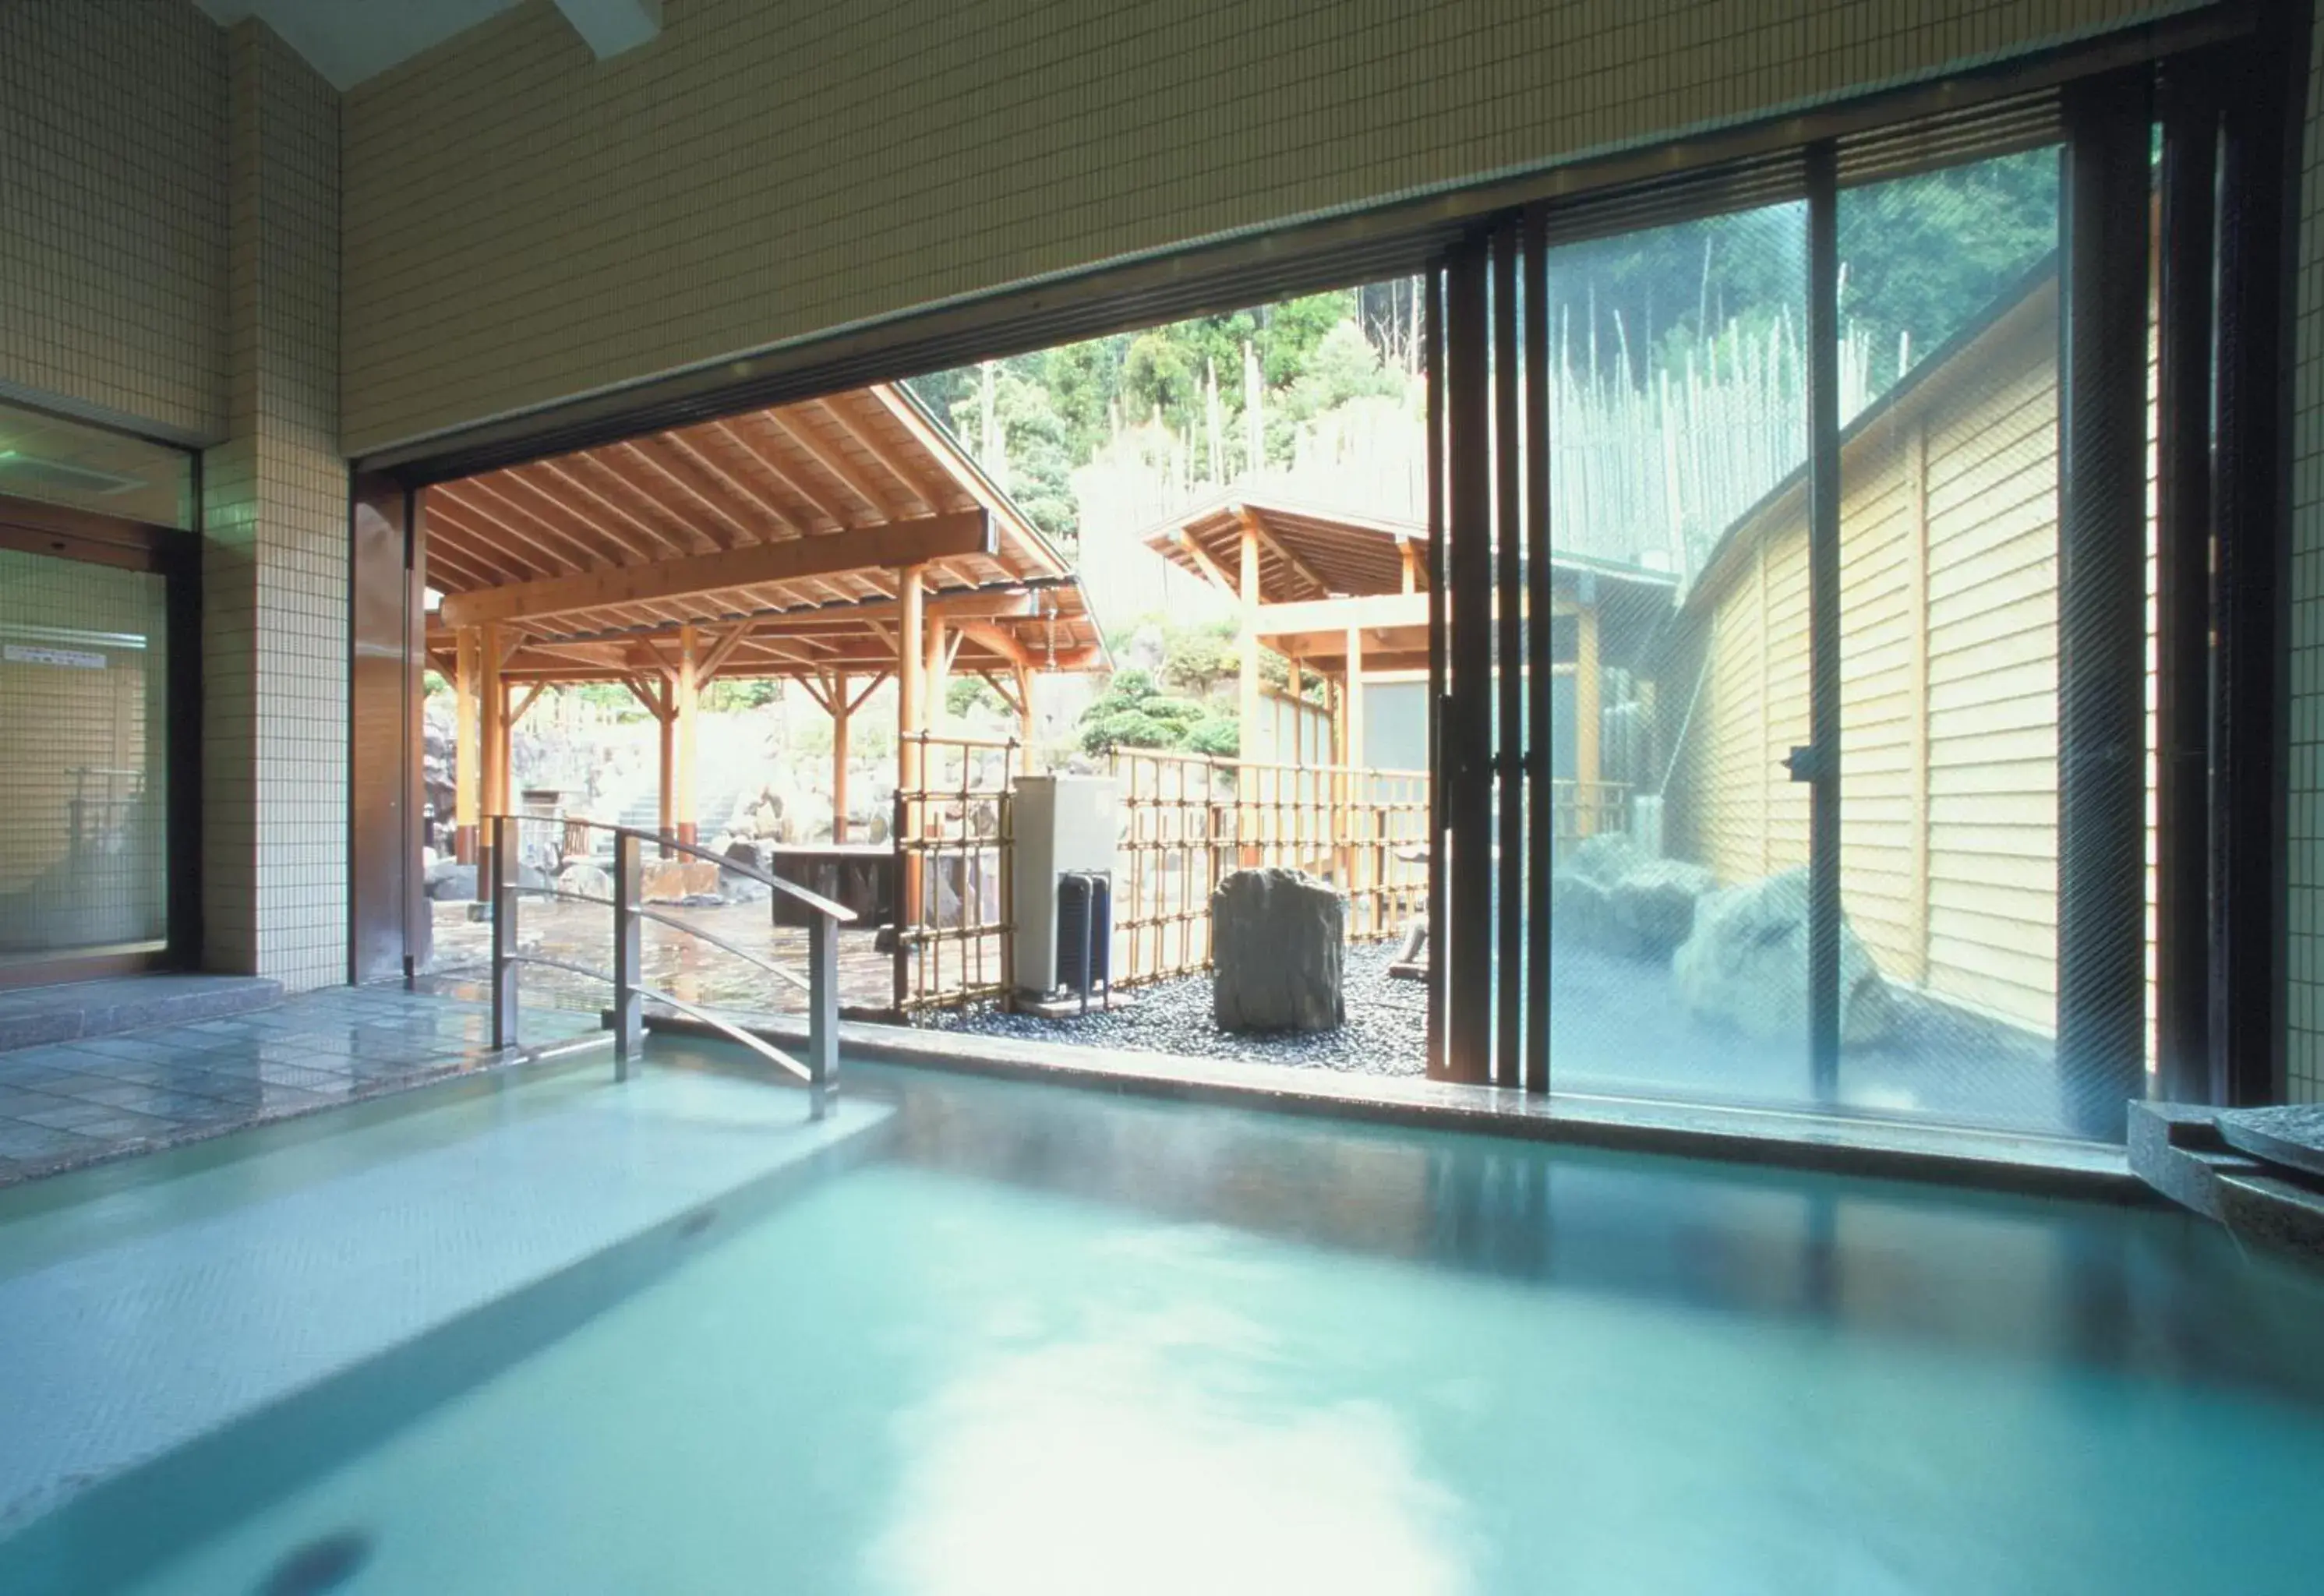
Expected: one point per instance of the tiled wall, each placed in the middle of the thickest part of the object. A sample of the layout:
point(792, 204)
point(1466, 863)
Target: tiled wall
point(275, 565)
point(113, 209)
point(525, 223)
point(2304, 1050)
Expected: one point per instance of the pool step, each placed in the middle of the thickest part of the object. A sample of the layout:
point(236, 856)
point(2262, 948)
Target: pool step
point(120, 1354)
point(38, 1016)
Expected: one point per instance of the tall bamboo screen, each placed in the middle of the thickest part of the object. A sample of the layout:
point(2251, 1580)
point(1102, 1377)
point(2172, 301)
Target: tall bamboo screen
point(1188, 819)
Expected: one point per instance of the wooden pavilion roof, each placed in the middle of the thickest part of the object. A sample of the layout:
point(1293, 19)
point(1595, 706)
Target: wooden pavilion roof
point(1303, 552)
point(777, 533)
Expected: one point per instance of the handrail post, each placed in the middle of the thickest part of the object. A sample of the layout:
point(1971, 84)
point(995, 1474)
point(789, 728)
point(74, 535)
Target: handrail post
point(822, 1012)
point(505, 868)
point(629, 1007)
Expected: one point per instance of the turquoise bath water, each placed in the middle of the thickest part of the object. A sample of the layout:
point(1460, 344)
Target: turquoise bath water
point(1051, 1342)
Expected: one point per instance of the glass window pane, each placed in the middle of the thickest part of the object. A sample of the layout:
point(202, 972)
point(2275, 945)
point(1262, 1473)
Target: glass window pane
point(1679, 901)
point(83, 679)
point(61, 462)
point(1949, 642)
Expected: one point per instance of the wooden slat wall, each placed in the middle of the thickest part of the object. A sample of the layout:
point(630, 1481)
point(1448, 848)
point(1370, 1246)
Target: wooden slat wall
point(1948, 684)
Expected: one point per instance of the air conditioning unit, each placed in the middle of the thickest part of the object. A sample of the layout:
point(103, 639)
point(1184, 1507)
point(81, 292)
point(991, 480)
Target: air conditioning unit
point(1063, 826)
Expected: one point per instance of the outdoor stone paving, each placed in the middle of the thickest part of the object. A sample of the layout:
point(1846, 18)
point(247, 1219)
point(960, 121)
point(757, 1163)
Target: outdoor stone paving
point(63, 1105)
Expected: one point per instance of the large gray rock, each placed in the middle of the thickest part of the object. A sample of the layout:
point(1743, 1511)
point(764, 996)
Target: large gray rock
point(1608, 894)
point(736, 887)
point(1745, 963)
point(451, 881)
point(585, 881)
point(1278, 948)
point(1650, 906)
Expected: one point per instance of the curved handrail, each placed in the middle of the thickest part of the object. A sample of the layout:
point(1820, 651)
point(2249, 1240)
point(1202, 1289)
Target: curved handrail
point(814, 901)
point(716, 941)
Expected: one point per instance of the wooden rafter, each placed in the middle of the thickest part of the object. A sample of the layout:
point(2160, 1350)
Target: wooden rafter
point(774, 469)
point(565, 478)
point(738, 532)
point(799, 429)
point(897, 543)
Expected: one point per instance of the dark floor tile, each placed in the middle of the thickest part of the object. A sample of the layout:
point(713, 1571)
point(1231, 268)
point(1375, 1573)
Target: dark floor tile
point(36, 1143)
point(119, 1126)
point(64, 1113)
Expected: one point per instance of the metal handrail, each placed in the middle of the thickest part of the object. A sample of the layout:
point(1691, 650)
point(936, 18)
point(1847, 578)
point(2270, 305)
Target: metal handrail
point(821, 1067)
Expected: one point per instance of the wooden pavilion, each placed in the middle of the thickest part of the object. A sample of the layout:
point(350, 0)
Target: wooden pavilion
point(835, 542)
point(1341, 596)
point(1336, 595)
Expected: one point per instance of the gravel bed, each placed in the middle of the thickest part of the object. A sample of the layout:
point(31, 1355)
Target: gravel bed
point(1386, 1033)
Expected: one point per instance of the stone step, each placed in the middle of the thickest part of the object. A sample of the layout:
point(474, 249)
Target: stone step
point(37, 1016)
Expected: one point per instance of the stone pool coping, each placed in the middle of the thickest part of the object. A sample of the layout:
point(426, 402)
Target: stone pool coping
point(2035, 1166)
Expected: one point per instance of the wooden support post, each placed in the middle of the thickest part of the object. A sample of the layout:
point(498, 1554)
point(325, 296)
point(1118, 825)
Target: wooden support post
point(686, 707)
point(912, 717)
point(836, 687)
point(933, 675)
point(1352, 795)
point(1024, 675)
point(1411, 552)
point(1247, 675)
point(492, 746)
point(467, 749)
point(666, 810)
point(1586, 766)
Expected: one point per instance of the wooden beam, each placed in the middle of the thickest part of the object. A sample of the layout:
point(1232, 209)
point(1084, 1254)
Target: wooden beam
point(911, 643)
point(836, 702)
point(914, 484)
point(899, 543)
point(1024, 675)
point(870, 687)
point(491, 740)
point(570, 479)
point(686, 697)
point(1410, 551)
point(781, 474)
point(971, 482)
point(720, 651)
point(1210, 567)
point(1269, 541)
point(801, 433)
point(739, 533)
point(644, 695)
point(1373, 611)
point(1247, 632)
point(1011, 699)
point(467, 751)
point(532, 696)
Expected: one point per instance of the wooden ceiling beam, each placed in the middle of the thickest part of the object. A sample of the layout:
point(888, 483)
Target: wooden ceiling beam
point(463, 504)
point(737, 531)
point(798, 428)
point(900, 543)
point(926, 497)
point(524, 493)
point(1267, 541)
point(736, 486)
point(566, 473)
point(781, 474)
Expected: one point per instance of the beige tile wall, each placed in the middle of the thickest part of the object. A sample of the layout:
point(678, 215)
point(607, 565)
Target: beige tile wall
point(276, 563)
point(524, 223)
point(113, 209)
point(2304, 1050)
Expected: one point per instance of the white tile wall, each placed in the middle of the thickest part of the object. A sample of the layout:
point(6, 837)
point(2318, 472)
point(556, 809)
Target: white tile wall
point(275, 567)
point(2304, 1001)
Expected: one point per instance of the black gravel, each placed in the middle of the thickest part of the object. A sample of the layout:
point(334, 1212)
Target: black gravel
point(1385, 1032)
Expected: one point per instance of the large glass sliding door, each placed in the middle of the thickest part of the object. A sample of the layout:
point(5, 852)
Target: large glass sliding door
point(98, 739)
point(1800, 539)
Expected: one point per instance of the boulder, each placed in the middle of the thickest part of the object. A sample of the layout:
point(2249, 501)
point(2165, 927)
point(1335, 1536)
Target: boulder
point(1745, 963)
point(452, 882)
point(585, 881)
point(736, 887)
point(674, 880)
point(1649, 908)
point(1278, 944)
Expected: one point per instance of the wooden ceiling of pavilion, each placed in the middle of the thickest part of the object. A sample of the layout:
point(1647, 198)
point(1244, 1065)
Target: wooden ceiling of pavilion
point(591, 562)
point(1326, 563)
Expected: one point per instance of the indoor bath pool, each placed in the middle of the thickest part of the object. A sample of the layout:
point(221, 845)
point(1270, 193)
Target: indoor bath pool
point(1025, 1340)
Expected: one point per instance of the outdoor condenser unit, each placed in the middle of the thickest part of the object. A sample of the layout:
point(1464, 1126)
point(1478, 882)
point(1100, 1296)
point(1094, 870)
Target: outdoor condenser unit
point(1063, 825)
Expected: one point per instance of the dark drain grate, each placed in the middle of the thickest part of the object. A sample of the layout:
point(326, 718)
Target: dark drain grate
point(324, 1563)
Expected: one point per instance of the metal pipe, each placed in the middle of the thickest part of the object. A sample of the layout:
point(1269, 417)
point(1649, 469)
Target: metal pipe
point(1823, 773)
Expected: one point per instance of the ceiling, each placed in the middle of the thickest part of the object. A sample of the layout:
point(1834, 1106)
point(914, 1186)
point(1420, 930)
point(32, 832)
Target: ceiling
point(349, 41)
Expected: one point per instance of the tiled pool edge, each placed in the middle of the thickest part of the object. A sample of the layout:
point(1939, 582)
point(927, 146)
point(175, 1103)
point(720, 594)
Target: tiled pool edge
point(484, 1063)
point(308, 1424)
point(1994, 1161)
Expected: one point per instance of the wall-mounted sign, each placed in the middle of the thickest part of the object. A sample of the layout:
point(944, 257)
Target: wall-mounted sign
point(36, 654)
